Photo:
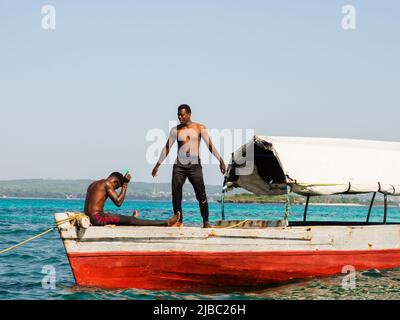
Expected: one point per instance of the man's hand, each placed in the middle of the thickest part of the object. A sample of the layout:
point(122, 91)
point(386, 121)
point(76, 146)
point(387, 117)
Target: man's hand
point(155, 170)
point(222, 166)
point(127, 178)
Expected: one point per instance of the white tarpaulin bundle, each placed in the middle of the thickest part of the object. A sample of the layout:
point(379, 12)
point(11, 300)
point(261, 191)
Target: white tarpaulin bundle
point(318, 166)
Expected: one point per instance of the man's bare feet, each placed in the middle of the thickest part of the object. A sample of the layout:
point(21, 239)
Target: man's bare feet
point(174, 220)
point(206, 225)
point(110, 225)
point(135, 214)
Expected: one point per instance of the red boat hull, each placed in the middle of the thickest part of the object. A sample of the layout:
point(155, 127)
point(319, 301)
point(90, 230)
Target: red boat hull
point(216, 271)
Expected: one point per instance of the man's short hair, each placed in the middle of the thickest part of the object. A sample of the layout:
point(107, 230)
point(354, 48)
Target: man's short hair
point(185, 107)
point(119, 176)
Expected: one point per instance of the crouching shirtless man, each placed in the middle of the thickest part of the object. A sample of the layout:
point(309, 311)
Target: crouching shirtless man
point(99, 191)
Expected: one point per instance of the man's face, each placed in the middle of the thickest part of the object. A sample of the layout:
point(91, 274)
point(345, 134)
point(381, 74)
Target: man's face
point(183, 116)
point(116, 184)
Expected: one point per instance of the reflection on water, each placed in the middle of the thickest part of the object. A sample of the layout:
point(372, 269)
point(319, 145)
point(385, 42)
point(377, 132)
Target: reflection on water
point(373, 284)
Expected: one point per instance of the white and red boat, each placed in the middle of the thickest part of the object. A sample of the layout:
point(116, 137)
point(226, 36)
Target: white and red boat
point(252, 254)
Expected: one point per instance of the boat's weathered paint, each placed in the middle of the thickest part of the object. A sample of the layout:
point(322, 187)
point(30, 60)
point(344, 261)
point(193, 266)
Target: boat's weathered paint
point(194, 271)
point(193, 259)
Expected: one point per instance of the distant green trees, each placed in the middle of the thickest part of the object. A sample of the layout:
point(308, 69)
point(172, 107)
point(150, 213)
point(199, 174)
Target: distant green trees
point(296, 199)
point(51, 188)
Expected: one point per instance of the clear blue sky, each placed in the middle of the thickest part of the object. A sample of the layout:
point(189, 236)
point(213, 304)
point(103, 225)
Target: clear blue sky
point(77, 102)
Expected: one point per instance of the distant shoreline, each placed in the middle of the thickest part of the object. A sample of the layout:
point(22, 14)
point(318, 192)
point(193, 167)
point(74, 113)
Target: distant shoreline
point(301, 204)
point(332, 204)
point(82, 199)
point(38, 198)
point(217, 201)
point(339, 204)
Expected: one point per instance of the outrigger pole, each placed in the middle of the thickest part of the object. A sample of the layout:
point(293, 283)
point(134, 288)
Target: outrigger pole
point(370, 206)
point(223, 205)
point(384, 208)
point(306, 208)
point(224, 189)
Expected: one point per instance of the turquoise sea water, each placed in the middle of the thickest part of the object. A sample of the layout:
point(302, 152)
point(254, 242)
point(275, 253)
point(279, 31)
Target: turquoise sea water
point(21, 269)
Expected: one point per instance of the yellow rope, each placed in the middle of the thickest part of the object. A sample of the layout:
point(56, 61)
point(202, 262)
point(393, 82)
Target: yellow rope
point(236, 225)
point(76, 217)
point(214, 234)
point(27, 240)
point(233, 226)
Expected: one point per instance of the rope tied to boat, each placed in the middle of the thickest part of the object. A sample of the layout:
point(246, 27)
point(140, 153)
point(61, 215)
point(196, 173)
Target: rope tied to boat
point(58, 223)
point(233, 226)
point(213, 234)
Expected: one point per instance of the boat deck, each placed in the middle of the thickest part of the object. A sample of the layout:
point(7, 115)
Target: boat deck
point(338, 223)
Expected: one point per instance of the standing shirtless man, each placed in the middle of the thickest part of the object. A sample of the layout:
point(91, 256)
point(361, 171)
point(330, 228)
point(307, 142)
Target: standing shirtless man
point(99, 191)
point(187, 165)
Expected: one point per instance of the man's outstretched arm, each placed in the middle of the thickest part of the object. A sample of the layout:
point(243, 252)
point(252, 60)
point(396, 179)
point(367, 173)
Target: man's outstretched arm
point(212, 149)
point(165, 151)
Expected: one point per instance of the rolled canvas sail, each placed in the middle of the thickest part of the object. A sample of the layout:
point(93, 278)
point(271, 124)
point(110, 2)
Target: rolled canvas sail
point(318, 166)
